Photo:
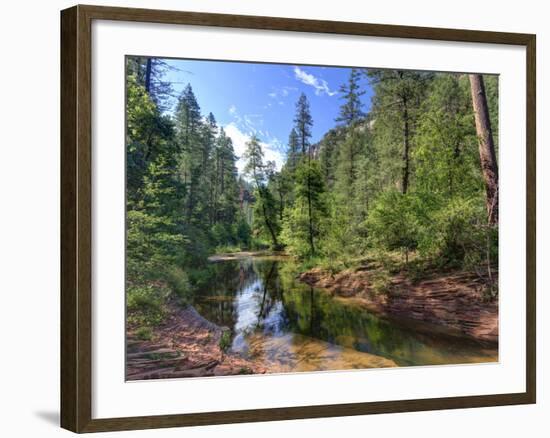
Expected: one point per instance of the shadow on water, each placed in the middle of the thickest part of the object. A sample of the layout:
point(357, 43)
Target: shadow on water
point(291, 326)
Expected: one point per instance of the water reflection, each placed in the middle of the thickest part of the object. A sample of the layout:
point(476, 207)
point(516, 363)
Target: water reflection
point(291, 326)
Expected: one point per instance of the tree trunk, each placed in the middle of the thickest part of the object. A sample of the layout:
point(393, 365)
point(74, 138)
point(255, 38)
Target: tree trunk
point(222, 179)
point(148, 70)
point(351, 167)
point(311, 244)
point(406, 147)
point(487, 153)
point(303, 135)
point(269, 226)
point(281, 205)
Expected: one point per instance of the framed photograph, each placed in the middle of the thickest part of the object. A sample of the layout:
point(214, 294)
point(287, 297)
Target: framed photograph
point(270, 218)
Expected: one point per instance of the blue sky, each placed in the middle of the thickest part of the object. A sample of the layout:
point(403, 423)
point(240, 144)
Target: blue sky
point(248, 98)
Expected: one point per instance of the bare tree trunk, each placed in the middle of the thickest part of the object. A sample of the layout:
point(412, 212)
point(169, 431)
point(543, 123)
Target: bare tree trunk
point(487, 153)
point(148, 70)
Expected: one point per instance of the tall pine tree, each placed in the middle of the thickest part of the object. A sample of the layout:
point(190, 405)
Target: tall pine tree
point(302, 124)
point(351, 110)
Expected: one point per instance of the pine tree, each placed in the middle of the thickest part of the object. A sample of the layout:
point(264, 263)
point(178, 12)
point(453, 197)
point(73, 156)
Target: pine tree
point(188, 134)
point(293, 154)
point(304, 217)
point(347, 170)
point(254, 157)
point(445, 140)
point(188, 117)
point(302, 227)
point(226, 181)
point(302, 124)
point(154, 195)
point(397, 102)
point(328, 154)
point(151, 74)
point(148, 134)
point(351, 110)
point(265, 203)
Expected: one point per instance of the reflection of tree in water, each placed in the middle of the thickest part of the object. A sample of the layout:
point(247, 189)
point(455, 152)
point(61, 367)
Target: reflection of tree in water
point(267, 286)
point(317, 314)
point(214, 300)
point(352, 326)
point(280, 304)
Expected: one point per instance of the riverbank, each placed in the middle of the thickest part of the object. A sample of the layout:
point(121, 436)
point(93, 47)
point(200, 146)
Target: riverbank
point(451, 303)
point(188, 345)
point(185, 345)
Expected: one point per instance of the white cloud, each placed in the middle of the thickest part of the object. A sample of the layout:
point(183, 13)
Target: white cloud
point(320, 85)
point(271, 149)
point(246, 121)
point(242, 128)
point(281, 92)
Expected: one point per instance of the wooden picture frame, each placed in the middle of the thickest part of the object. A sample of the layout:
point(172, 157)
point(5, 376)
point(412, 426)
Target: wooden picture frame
point(76, 217)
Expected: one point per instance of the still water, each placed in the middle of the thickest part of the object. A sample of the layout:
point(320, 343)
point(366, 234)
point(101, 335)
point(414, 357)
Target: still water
point(287, 325)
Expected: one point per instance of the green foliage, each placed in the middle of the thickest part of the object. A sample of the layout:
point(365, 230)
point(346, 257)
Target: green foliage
point(380, 281)
point(266, 220)
point(293, 155)
point(401, 184)
point(302, 125)
point(458, 234)
point(303, 224)
point(147, 135)
point(340, 240)
point(225, 340)
point(221, 233)
point(178, 281)
point(446, 153)
point(266, 216)
point(144, 333)
point(145, 305)
point(393, 223)
point(329, 147)
point(254, 157)
point(151, 244)
point(243, 233)
point(347, 164)
point(351, 110)
point(182, 192)
point(397, 105)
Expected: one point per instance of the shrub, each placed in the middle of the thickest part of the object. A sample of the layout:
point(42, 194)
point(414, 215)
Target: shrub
point(457, 234)
point(225, 340)
point(151, 245)
point(380, 281)
point(144, 333)
point(178, 281)
point(145, 304)
point(221, 234)
point(243, 233)
point(393, 223)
